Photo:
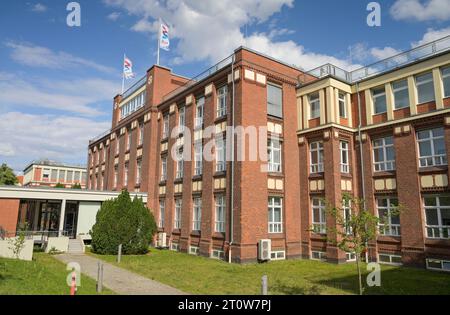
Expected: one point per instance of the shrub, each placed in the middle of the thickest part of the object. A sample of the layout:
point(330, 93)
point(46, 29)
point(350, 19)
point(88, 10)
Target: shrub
point(126, 222)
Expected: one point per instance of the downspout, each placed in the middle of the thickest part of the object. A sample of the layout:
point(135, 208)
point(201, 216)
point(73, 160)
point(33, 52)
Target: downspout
point(363, 185)
point(232, 161)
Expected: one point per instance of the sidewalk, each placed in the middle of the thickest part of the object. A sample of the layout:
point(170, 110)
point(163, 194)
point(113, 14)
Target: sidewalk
point(117, 279)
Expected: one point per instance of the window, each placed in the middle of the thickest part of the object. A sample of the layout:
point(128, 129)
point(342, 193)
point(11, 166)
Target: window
point(177, 220)
point(431, 147)
point(274, 155)
point(350, 257)
point(141, 134)
point(117, 146)
point(164, 168)
point(181, 119)
point(54, 175)
point(84, 177)
point(199, 113)
point(100, 186)
point(220, 214)
point(220, 155)
point(180, 163)
point(274, 101)
point(46, 175)
point(138, 171)
point(316, 152)
point(390, 220)
point(217, 254)
point(319, 220)
point(379, 100)
point(275, 215)
point(401, 94)
point(162, 210)
point(383, 154)
point(194, 250)
point(197, 215)
point(222, 101)
point(347, 209)
point(345, 165)
point(125, 175)
point(198, 159)
point(446, 81)
point(165, 131)
point(389, 259)
point(116, 175)
point(342, 105)
point(175, 247)
point(76, 177)
point(104, 154)
point(425, 88)
point(314, 106)
point(69, 176)
point(278, 255)
point(128, 139)
point(438, 264)
point(62, 176)
point(437, 213)
point(317, 255)
point(132, 105)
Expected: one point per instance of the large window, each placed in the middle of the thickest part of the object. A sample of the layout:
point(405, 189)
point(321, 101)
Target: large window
point(425, 88)
point(379, 100)
point(128, 139)
point(347, 215)
point(162, 210)
point(62, 176)
point(383, 154)
point(222, 101)
point(342, 105)
point(198, 158)
point(319, 220)
point(345, 164)
point(220, 155)
point(181, 119)
point(117, 145)
point(401, 94)
point(141, 134)
point(177, 219)
point(446, 81)
point(165, 131)
point(180, 163)
point(389, 216)
point(437, 212)
point(125, 175)
point(163, 168)
point(116, 176)
point(314, 105)
point(220, 214)
point(54, 175)
point(431, 147)
point(274, 155)
point(197, 214)
point(138, 171)
point(274, 101)
point(199, 112)
point(132, 105)
point(275, 215)
point(316, 156)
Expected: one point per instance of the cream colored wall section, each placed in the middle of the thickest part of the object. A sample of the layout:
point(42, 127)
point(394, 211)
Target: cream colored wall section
point(412, 95)
point(87, 213)
point(306, 113)
point(299, 114)
point(369, 106)
point(438, 88)
point(60, 244)
point(25, 254)
point(331, 104)
point(389, 101)
point(322, 107)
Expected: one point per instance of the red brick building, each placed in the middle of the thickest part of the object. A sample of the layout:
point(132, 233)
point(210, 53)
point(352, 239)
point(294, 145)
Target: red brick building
point(380, 134)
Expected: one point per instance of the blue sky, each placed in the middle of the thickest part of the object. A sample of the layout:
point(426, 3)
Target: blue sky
point(57, 82)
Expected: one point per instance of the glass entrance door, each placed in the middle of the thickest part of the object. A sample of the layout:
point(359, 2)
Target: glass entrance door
point(71, 219)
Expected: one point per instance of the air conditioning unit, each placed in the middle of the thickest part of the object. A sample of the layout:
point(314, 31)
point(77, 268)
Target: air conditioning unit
point(162, 240)
point(264, 250)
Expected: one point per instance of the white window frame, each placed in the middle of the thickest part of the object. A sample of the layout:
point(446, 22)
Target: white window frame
point(138, 171)
point(446, 77)
point(219, 224)
point(271, 105)
point(221, 154)
point(197, 214)
point(277, 255)
point(400, 89)
point(116, 176)
point(439, 231)
point(418, 84)
point(165, 130)
point(163, 168)
point(275, 226)
point(388, 165)
point(316, 147)
point(347, 213)
point(221, 109)
point(433, 159)
point(314, 105)
point(441, 261)
point(141, 134)
point(199, 113)
point(319, 226)
point(179, 163)
point(274, 151)
point(322, 256)
point(126, 169)
point(194, 250)
point(390, 256)
point(181, 119)
point(117, 145)
point(198, 158)
point(128, 139)
point(162, 211)
point(344, 150)
point(178, 209)
point(377, 94)
point(388, 228)
point(342, 102)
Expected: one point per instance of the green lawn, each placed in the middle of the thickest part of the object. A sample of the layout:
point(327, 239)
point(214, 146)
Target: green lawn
point(199, 275)
point(43, 276)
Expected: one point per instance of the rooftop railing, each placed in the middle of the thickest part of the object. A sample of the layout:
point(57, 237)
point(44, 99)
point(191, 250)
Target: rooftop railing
point(136, 86)
point(102, 135)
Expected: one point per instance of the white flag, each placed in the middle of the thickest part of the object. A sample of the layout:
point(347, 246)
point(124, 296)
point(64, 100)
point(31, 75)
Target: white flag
point(128, 69)
point(164, 41)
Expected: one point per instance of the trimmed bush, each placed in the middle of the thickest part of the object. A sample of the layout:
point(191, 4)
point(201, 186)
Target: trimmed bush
point(126, 222)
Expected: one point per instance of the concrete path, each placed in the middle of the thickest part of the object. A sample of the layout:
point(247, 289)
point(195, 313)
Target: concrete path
point(117, 279)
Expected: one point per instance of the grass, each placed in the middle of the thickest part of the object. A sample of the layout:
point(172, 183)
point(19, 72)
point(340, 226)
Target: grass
point(199, 275)
point(43, 276)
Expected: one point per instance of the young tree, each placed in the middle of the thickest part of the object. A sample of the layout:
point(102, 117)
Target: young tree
point(59, 185)
point(7, 176)
point(355, 227)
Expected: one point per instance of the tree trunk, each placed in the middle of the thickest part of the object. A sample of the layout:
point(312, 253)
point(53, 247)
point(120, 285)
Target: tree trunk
point(359, 274)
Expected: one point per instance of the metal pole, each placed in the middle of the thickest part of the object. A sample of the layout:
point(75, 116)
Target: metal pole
point(159, 41)
point(100, 277)
point(123, 74)
point(264, 285)
point(119, 254)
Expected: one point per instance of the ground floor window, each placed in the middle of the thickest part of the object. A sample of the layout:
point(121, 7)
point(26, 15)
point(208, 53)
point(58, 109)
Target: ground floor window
point(217, 254)
point(194, 250)
point(275, 215)
point(175, 247)
point(318, 255)
point(437, 213)
point(278, 255)
point(438, 264)
point(391, 259)
point(319, 220)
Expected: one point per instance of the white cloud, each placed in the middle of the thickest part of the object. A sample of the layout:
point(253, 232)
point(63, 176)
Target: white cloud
point(432, 35)
point(383, 53)
point(37, 56)
point(418, 10)
point(39, 7)
point(26, 137)
point(74, 96)
point(114, 16)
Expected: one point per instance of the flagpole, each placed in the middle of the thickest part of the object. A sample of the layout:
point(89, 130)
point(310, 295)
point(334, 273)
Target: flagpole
point(159, 41)
point(123, 74)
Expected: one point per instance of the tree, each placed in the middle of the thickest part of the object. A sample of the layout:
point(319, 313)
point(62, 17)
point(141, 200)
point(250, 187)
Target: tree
point(59, 185)
point(126, 222)
point(76, 186)
point(355, 227)
point(7, 176)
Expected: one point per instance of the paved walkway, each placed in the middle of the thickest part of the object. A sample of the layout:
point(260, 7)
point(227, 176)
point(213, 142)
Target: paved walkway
point(118, 279)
